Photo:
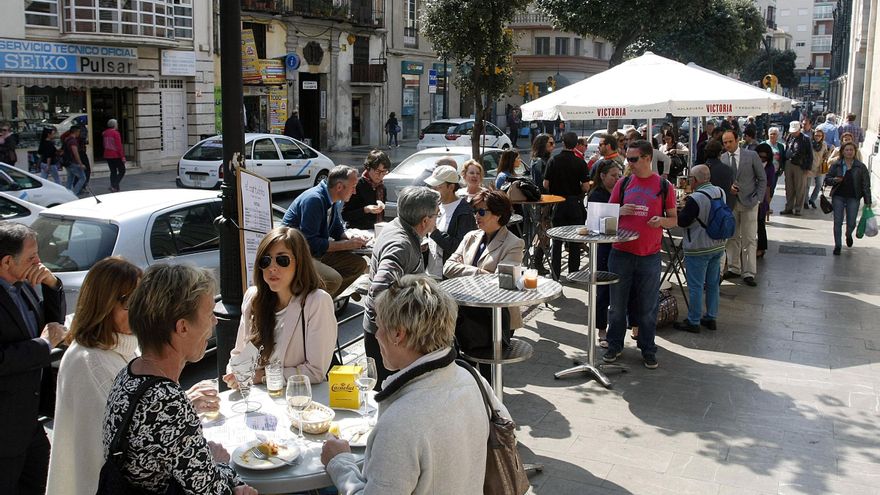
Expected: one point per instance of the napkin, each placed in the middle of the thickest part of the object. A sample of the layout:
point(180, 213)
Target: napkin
point(244, 359)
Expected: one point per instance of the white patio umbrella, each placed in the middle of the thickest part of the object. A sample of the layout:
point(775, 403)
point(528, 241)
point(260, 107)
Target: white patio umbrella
point(651, 87)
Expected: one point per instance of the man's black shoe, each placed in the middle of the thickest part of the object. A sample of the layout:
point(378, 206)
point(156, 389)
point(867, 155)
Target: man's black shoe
point(650, 361)
point(729, 275)
point(709, 324)
point(786, 212)
point(686, 326)
point(611, 356)
point(836, 251)
point(849, 241)
point(750, 281)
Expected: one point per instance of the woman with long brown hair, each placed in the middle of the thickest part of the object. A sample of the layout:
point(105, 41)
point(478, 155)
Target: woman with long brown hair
point(287, 315)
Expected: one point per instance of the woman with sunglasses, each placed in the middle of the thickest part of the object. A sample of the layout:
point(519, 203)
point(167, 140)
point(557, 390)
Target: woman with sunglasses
point(481, 251)
point(367, 204)
point(101, 345)
point(286, 314)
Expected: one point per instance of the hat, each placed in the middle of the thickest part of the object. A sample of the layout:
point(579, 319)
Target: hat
point(794, 126)
point(443, 174)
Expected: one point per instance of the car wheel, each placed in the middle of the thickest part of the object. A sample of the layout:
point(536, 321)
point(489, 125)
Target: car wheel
point(322, 175)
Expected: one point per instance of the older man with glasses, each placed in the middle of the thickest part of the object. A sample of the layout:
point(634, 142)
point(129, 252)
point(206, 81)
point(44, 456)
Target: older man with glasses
point(647, 207)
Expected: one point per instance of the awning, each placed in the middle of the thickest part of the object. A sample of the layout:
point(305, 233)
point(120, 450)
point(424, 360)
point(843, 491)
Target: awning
point(76, 81)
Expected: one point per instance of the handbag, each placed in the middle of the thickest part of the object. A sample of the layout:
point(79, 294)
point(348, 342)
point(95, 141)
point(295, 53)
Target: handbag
point(825, 203)
point(521, 189)
point(505, 474)
point(667, 308)
point(111, 480)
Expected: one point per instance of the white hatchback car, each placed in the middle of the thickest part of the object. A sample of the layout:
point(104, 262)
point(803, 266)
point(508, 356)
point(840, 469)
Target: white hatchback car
point(33, 188)
point(18, 210)
point(457, 132)
point(291, 165)
point(144, 227)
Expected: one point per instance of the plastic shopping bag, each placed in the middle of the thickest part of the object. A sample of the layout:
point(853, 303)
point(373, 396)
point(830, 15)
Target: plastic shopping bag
point(867, 224)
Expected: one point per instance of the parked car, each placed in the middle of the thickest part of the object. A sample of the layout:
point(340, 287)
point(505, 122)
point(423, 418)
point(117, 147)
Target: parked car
point(405, 173)
point(63, 122)
point(18, 210)
point(145, 227)
point(32, 188)
point(457, 132)
point(291, 165)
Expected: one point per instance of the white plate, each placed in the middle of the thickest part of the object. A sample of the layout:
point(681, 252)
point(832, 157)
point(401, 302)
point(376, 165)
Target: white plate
point(244, 458)
point(352, 432)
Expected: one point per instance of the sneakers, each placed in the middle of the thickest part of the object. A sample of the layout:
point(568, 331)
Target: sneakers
point(729, 275)
point(611, 355)
point(650, 361)
point(750, 281)
point(709, 324)
point(686, 326)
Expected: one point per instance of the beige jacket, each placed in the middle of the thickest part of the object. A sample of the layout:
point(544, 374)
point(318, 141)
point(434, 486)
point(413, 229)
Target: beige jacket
point(320, 335)
point(504, 248)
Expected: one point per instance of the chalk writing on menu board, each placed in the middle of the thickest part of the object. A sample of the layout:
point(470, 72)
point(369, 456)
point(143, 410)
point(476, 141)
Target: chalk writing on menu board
point(256, 204)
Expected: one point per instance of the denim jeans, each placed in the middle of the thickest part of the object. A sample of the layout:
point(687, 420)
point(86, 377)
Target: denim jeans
point(46, 170)
point(641, 273)
point(703, 274)
point(851, 206)
point(817, 186)
point(76, 178)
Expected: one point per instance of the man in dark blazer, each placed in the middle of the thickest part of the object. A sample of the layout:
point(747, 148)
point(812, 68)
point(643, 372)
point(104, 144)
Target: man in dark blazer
point(749, 188)
point(29, 329)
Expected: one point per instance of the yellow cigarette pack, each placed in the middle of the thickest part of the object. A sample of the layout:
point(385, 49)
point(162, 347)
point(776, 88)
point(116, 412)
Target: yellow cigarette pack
point(344, 393)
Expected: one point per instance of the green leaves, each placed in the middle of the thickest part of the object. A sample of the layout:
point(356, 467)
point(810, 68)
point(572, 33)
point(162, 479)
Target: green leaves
point(783, 67)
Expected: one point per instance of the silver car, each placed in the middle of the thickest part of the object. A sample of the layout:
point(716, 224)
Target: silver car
point(144, 227)
point(457, 132)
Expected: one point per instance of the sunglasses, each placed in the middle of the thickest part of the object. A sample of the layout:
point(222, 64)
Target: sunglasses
point(382, 171)
point(633, 159)
point(282, 260)
point(480, 211)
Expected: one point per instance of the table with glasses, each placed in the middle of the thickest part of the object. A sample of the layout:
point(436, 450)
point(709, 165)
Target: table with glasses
point(531, 225)
point(591, 277)
point(271, 422)
point(482, 291)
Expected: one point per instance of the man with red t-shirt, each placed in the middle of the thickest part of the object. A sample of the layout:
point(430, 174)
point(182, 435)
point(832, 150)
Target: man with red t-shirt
point(637, 262)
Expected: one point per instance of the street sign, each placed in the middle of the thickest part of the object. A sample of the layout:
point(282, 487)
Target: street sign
point(432, 81)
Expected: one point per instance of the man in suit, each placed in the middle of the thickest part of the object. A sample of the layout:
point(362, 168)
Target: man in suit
point(749, 188)
point(29, 329)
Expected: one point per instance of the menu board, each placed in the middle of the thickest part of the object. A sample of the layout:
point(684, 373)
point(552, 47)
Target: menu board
point(254, 218)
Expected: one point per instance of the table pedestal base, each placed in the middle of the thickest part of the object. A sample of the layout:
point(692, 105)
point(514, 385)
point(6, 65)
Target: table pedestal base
point(595, 371)
point(531, 469)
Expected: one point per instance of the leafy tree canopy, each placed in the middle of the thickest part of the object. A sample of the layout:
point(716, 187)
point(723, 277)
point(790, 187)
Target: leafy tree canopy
point(783, 67)
point(474, 37)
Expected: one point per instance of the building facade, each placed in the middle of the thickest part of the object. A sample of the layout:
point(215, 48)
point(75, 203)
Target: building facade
point(811, 25)
point(147, 63)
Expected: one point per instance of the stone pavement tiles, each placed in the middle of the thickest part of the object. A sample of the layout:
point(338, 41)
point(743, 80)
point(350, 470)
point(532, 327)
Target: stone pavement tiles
point(782, 398)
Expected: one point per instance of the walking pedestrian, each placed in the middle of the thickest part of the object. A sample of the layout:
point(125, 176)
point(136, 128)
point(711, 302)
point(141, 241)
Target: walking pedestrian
point(114, 153)
point(48, 155)
point(800, 160)
point(851, 127)
point(567, 176)
point(72, 160)
point(392, 128)
point(829, 127)
point(749, 188)
point(765, 154)
point(293, 127)
point(542, 147)
point(8, 144)
point(851, 183)
point(817, 171)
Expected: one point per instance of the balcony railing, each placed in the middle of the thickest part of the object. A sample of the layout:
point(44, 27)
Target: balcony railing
point(368, 73)
point(358, 12)
point(530, 19)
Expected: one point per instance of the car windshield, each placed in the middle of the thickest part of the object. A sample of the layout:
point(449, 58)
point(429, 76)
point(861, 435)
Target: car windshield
point(73, 245)
point(416, 163)
point(206, 151)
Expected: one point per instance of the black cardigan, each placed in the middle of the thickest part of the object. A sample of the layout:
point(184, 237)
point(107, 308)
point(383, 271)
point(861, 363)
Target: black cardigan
point(353, 211)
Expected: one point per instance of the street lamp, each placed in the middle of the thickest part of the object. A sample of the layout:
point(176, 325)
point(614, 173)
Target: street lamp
point(768, 44)
point(809, 91)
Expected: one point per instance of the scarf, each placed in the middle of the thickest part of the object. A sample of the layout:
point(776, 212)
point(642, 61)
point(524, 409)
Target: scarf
point(415, 372)
point(379, 187)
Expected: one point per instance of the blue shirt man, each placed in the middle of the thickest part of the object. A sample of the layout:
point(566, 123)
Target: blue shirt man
point(829, 127)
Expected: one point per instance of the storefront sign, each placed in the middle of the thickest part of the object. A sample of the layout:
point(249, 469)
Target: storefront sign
point(272, 72)
point(310, 84)
point(178, 63)
point(250, 62)
point(439, 69)
point(277, 110)
point(66, 58)
point(408, 67)
point(432, 81)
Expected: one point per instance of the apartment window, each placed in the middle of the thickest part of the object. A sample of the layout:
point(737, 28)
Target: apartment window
point(823, 12)
point(542, 45)
point(577, 48)
point(41, 13)
point(561, 46)
point(183, 19)
point(599, 50)
point(784, 29)
point(784, 13)
point(802, 11)
point(152, 18)
point(800, 43)
point(411, 29)
point(801, 28)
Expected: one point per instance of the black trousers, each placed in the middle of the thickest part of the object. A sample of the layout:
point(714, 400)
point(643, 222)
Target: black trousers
point(762, 230)
point(26, 474)
point(371, 347)
point(117, 172)
point(571, 212)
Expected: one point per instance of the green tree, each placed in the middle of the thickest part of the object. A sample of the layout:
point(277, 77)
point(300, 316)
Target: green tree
point(473, 35)
point(724, 38)
point(622, 23)
point(783, 67)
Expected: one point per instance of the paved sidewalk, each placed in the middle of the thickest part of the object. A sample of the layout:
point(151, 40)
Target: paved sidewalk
point(782, 398)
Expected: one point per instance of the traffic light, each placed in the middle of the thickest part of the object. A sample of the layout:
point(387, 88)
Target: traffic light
point(522, 90)
point(770, 81)
point(551, 83)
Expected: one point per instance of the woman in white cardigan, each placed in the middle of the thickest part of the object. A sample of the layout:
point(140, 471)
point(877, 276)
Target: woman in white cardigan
point(287, 314)
point(102, 345)
point(432, 429)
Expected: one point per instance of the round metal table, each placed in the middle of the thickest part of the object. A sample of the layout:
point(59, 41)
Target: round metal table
point(591, 278)
point(233, 430)
point(482, 291)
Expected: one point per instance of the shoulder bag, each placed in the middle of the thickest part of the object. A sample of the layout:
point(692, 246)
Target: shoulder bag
point(111, 480)
point(505, 474)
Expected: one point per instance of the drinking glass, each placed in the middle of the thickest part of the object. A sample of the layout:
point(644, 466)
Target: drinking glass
point(366, 380)
point(299, 396)
point(208, 416)
point(244, 376)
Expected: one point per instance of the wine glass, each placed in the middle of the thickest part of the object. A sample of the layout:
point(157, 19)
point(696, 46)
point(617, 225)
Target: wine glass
point(366, 380)
point(244, 376)
point(299, 396)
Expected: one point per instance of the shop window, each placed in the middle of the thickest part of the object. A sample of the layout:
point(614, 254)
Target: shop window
point(41, 13)
point(30, 109)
